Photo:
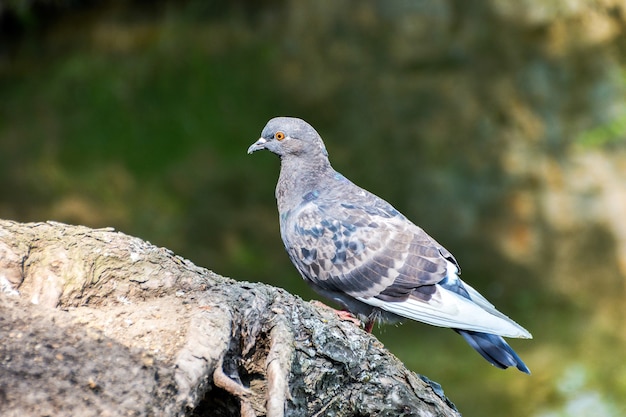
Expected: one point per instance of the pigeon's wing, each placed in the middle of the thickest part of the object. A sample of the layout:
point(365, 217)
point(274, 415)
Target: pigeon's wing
point(375, 255)
point(361, 252)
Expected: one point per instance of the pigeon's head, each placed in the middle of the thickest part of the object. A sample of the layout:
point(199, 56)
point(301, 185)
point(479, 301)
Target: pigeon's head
point(289, 136)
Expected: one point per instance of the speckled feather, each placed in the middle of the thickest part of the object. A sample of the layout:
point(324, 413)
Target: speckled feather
point(355, 248)
point(362, 246)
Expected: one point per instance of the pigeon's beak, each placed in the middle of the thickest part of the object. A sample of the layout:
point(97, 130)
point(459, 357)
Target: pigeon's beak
point(257, 146)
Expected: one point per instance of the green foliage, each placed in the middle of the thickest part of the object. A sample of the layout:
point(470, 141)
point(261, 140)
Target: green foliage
point(611, 132)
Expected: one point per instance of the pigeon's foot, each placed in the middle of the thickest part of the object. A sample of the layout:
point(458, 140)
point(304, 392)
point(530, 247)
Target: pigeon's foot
point(343, 315)
point(347, 316)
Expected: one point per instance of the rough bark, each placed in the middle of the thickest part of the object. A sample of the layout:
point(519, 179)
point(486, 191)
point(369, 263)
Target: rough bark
point(95, 322)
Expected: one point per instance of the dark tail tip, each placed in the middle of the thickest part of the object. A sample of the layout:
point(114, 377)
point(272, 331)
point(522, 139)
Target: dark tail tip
point(493, 348)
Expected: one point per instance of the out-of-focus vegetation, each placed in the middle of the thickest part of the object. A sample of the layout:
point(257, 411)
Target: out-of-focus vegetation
point(497, 126)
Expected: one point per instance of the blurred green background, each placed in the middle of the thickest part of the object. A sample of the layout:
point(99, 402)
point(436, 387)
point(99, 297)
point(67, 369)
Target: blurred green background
point(498, 126)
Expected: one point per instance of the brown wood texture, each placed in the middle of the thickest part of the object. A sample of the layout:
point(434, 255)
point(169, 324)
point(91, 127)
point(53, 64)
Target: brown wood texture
point(95, 322)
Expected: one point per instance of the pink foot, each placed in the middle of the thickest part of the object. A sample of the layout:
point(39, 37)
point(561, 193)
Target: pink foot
point(342, 314)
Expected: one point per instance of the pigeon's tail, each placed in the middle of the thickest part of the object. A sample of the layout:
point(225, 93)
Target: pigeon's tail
point(493, 348)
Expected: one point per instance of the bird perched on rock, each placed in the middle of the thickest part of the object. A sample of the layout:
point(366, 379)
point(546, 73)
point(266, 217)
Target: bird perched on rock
point(356, 249)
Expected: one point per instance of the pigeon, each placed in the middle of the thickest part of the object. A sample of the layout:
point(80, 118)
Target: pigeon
point(356, 249)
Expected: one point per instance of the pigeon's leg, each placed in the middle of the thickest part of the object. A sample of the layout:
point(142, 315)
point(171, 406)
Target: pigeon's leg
point(373, 317)
point(344, 315)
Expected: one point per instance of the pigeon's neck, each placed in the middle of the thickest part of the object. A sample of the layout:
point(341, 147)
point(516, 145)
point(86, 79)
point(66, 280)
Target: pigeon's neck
point(298, 177)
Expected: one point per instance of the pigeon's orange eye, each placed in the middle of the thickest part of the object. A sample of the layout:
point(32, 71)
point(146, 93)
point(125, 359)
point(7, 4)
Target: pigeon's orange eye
point(279, 135)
